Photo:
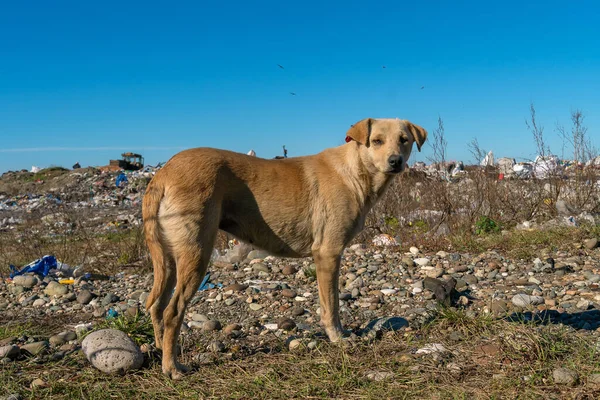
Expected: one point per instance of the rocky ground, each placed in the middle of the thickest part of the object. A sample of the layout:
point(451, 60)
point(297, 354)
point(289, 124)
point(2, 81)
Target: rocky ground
point(263, 303)
point(423, 322)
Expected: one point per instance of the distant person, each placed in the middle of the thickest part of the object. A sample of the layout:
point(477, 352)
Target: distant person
point(76, 165)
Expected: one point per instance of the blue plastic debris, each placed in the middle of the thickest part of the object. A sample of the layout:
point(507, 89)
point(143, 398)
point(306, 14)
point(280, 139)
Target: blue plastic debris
point(121, 178)
point(206, 285)
point(111, 313)
point(41, 266)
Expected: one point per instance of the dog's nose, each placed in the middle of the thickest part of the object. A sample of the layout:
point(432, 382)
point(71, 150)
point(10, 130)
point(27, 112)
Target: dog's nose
point(395, 161)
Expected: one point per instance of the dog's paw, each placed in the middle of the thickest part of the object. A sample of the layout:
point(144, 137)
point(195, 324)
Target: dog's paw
point(176, 372)
point(336, 334)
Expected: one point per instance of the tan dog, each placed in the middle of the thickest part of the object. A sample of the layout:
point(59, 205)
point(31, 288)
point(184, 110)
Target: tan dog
point(294, 207)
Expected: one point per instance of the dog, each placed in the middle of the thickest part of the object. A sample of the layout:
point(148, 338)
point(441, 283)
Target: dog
point(293, 207)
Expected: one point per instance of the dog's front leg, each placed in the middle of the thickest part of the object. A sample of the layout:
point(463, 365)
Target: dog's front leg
point(328, 268)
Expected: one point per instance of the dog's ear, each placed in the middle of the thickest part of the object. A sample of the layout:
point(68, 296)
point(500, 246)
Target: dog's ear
point(418, 133)
point(360, 132)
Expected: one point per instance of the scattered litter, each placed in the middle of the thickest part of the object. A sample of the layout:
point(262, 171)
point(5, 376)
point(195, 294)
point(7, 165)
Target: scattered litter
point(121, 180)
point(207, 285)
point(546, 166)
point(111, 313)
point(41, 266)
point(68, 281)
point(432, 348)
point(384, 240)
point(488, 160)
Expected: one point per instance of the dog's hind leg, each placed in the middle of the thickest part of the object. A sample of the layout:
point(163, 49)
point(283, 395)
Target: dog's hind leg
point(166, 283)
point(192, 246)
point(328, 268)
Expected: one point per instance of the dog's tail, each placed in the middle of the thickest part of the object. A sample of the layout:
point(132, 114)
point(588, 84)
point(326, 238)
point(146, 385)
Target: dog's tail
point(150, 207)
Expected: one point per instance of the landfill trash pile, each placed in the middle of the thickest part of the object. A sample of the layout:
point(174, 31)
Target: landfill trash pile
point(75, 189)
point(89, 196)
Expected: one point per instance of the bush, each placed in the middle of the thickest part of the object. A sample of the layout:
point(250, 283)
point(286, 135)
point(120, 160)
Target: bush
point(486, 225)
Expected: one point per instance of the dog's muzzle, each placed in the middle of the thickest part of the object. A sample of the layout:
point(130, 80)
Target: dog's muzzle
point(396, 164)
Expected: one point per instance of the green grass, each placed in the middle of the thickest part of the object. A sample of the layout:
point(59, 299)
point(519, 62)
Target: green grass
point(524, 351)
point(519, 244)
point(138, 328)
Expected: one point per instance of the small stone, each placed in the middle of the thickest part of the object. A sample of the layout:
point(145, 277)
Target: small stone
point(216, 346)
point(257, 254)
point(255, 306)
point(236, 287)
point(195, 324)
point(109, 298)
point(345, 296)
point(288, 270)
point(499, 307)
point(297, 311)
point(231, 328)
point(39, 302)
point(35, 348)
point(199, 317)
point(414, 250)
point(55, 289)
point(591, 243)
point(289, 293)
point(10, 351)
point(38, 383)
point(211, 325)
point(435, 273)
point(84, 297)
point(286, 324)
point(524, 300)
point(422, 262)
point(260, 267)
point(27, 281)
point(57, 340)
point(295, 344)
point(565, 376)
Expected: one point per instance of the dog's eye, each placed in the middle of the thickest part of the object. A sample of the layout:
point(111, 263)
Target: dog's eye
point(377, 142)
point(403, 140)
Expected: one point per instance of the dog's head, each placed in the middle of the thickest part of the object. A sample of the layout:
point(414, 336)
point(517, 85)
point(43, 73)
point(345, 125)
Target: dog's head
point(387, 143)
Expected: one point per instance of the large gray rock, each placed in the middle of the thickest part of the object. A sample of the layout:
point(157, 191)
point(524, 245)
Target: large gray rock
point(112, 351)
point(27, 281)
point(55, 289)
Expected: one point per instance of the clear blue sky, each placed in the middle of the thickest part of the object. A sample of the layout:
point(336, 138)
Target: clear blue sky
point(82, 81)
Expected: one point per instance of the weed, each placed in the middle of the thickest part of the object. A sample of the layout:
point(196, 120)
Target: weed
point(486, 225)
point(138, 328)
point(311, 271)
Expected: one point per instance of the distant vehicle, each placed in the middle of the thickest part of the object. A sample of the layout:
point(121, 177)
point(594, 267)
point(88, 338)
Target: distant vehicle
point(129, 162)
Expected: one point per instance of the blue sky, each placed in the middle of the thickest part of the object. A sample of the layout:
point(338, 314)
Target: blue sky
point(83, 81)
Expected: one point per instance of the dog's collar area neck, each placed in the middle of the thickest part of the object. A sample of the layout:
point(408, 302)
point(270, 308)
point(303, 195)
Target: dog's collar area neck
point(348, 139)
